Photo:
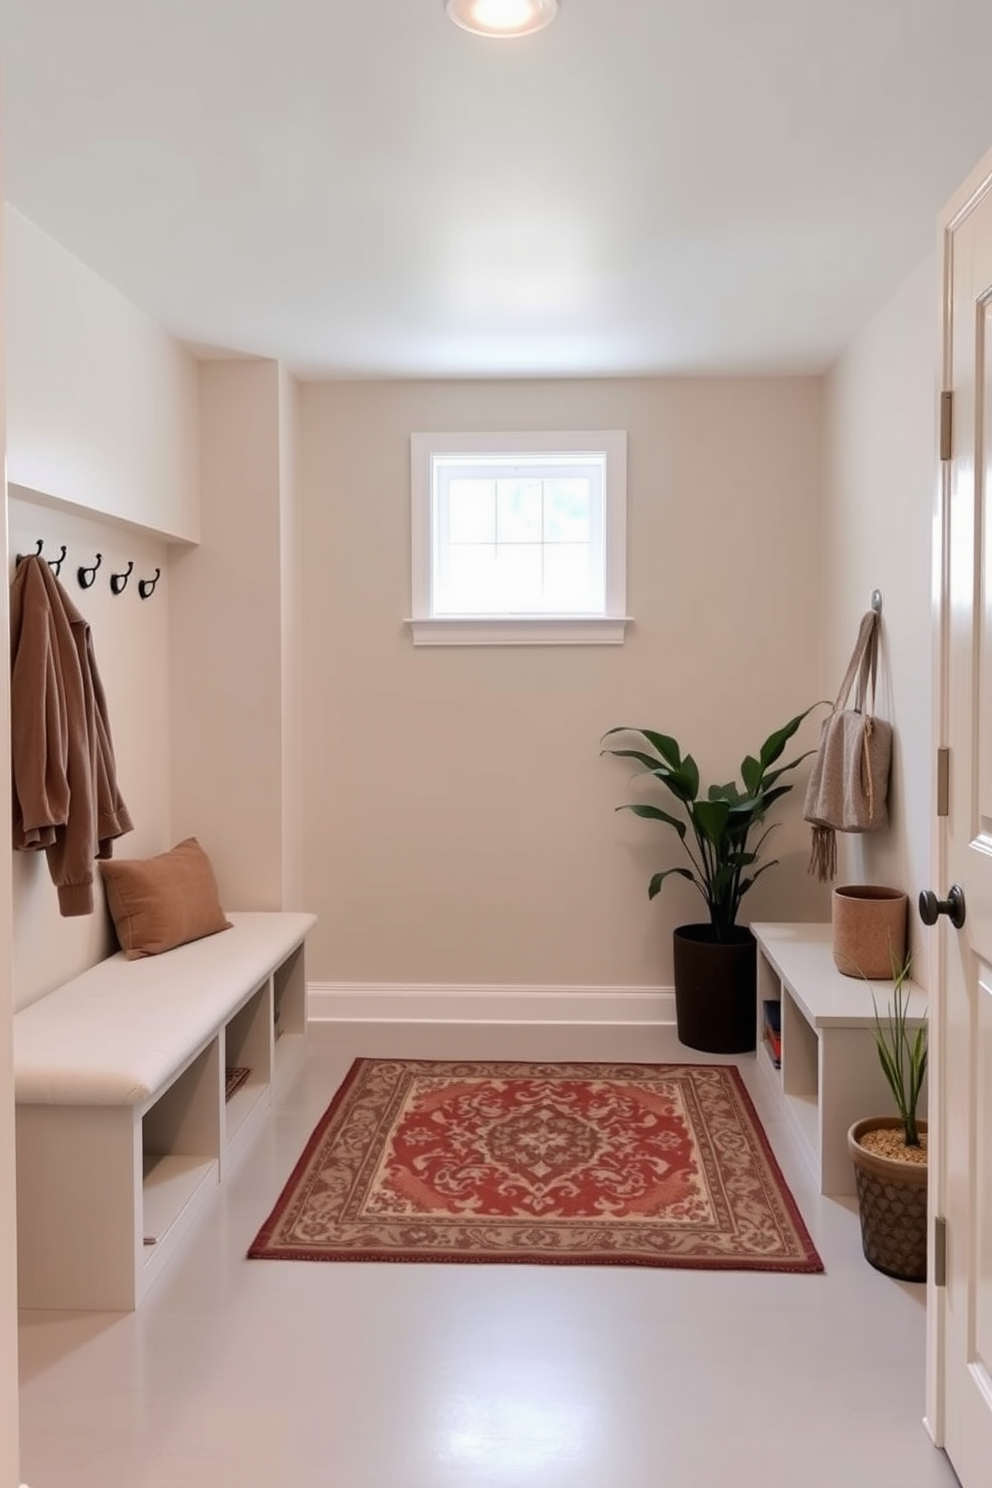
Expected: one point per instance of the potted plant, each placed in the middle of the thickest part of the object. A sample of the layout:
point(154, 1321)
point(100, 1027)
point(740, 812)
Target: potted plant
point(889, 1153)
point(722, 833)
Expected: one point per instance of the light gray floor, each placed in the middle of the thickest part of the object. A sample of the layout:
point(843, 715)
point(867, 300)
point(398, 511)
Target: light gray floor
point(241, 1374)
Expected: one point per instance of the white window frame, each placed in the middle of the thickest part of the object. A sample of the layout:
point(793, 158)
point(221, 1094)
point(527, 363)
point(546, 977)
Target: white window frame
point(600, 629)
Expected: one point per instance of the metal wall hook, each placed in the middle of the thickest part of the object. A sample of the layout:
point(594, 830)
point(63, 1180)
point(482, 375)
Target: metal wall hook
point(118, 581)
point(876, 601)
point(36, 554)
point(55, 564)
point(87, 575)
point(146, 587)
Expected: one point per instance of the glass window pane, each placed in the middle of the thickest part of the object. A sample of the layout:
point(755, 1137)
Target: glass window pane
point(569, 582)
point(518, 507)
point(518, 566)
point(566, 511)
point(515, 531)
point(472, 511)
point(471, 586)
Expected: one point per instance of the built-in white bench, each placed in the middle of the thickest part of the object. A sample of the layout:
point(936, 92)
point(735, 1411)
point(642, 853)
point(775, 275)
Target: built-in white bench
point(829, 1074)
point(123, 1128)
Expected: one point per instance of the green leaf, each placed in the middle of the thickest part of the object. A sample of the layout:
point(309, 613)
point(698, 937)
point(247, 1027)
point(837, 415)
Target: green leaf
point(920, 1049)
point(772, 775)
point(773, 746)
point(666, 746)
point(647, 760)
point(654, 887)
point(678, 782)
point(748, 883)
point(655, 813)
point(751, 773)
point(690, 773)
point(711, 817)
point(767, 798)
point(728, 792)
point(747, 807)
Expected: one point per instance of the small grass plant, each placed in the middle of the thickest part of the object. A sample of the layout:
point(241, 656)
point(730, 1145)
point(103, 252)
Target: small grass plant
point(902, 1050)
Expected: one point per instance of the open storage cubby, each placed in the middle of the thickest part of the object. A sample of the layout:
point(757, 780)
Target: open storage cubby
point(289, 1015)
point(800, 1069)
point(769, 992)
point(247, 1045)
point(830, 1075)
point(180, 1146)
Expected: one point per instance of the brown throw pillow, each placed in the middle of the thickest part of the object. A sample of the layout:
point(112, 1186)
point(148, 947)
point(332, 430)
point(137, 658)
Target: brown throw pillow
point(161, 902)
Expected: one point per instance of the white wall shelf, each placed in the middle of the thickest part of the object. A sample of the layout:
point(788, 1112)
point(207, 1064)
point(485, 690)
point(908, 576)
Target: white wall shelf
point(830, 1075)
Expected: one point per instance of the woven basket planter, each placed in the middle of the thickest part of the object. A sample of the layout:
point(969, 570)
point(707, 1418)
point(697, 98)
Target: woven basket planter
point(892, 1201)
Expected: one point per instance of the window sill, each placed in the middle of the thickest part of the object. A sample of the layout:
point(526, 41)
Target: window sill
point(528, 630)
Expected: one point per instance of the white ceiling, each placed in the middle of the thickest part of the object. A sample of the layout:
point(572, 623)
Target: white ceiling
point(362, 189)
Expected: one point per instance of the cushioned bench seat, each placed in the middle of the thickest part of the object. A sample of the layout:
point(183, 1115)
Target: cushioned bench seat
point(119, 1033)
point(125, 1122)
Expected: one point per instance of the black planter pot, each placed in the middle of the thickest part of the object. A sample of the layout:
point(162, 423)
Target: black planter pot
point(715, 989)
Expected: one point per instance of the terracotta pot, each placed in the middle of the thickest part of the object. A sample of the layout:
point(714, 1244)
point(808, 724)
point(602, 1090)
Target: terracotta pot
point(715, 989)
point(869, 929)
point(892, 1203)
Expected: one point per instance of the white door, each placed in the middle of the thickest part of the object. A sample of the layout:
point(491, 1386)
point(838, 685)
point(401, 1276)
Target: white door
point(962, 1035)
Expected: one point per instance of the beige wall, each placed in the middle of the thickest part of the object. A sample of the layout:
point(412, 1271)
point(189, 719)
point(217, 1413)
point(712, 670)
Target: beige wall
point(102, 443)
point(459, 821)
point(130, 639)
point(878, 512)
point(101, 402)
point(232, 601)
point(291, 597)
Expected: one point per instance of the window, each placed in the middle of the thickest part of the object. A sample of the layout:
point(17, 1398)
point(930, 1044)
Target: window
point(519, 538)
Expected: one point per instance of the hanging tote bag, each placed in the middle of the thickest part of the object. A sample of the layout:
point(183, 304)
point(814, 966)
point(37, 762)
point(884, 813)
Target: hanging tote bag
point(849, 782)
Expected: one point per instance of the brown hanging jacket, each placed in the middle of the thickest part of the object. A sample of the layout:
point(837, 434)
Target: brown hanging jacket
point(66, 802)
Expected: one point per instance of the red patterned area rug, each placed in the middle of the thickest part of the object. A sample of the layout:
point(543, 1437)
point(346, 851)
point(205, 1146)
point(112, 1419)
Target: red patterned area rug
point(561, 1164)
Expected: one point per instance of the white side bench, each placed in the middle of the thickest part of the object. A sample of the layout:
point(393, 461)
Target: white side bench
point(830, 1075)
point(123, 1129)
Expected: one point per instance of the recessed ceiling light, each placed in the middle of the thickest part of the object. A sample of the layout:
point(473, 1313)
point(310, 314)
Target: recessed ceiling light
point(503, 18)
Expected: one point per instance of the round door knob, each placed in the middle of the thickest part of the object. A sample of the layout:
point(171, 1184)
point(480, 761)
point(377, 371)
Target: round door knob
point(931, 908)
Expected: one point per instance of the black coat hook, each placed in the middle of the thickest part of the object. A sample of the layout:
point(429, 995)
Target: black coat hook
point(118, 581)
point(146, 587)
point(36, 554)
point(87, 575)
point(55, 564)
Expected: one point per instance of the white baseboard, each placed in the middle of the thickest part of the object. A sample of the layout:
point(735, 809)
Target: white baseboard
point(396, 1002)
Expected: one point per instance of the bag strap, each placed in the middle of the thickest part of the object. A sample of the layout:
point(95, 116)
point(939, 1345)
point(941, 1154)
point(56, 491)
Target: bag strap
point(862, 666)
point(868, 669)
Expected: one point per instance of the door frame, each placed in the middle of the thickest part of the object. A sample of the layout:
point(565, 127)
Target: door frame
point(976, 187)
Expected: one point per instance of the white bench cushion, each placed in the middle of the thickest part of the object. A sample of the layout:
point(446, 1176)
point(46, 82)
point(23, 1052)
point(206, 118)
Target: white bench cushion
point(117, 1034)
